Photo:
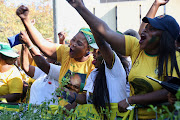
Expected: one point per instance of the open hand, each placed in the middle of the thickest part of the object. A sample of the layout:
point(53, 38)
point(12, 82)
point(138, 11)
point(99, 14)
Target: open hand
point(22, 12)
point(62, 35)
point(161, 2)
point(171, 98)
point(75, 3)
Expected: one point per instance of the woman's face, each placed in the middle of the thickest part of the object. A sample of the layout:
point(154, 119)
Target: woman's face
point(8, 60)
point(78, 46)
point(97, 58)
point(11, 61)
point(150, 38)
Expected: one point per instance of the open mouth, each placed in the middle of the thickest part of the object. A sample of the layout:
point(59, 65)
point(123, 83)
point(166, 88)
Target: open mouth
point(143, 37)
point(94, 61)
point(71, 51)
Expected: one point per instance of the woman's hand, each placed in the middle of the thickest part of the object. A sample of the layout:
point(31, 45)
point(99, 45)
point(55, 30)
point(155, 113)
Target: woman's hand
point(171, 98)
point(75, 3)
point(62, 35)
point(23, 12)
point(161, 2)
point(122, 105)
point(24, 38)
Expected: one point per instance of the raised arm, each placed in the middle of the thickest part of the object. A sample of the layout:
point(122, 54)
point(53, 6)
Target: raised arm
point(38, 58)
point(49, 49)
point(116, 40)
point(28, 69)
point(104, 49)
point(152, 12)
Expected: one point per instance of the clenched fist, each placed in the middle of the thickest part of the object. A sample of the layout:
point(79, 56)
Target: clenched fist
point(22, 12)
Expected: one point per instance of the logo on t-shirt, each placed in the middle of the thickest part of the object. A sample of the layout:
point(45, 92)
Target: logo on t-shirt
point(76, 78)
point(141, 86)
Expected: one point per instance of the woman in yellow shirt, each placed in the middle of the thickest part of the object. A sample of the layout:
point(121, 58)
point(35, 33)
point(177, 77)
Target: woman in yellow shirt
point(75, 58)
point(11, 85)
point(153, 55)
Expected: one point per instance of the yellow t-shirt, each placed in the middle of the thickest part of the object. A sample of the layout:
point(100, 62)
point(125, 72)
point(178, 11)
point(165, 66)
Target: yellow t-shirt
point(143, 65)
point(11, 82)
point(70, 66)
point(33, 63)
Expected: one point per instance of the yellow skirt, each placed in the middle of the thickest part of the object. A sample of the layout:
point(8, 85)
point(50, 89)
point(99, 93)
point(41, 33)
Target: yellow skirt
point(88, 111)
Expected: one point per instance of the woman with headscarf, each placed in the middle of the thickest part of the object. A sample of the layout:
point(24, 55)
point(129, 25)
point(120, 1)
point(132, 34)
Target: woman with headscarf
point(74, 59)
point(105, 86)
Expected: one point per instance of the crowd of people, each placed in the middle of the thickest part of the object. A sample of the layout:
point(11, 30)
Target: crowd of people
point(99, 67)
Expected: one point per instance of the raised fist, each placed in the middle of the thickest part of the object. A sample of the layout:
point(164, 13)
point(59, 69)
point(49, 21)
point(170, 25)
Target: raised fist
point(22, 12)
point(62, 35)
point(75, 3)
point(23, 37)
point(161, 2)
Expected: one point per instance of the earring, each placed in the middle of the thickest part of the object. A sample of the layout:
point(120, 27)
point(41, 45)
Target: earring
point(87, 53)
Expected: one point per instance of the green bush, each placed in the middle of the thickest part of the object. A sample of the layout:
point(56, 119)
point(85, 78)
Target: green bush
point(165, 113)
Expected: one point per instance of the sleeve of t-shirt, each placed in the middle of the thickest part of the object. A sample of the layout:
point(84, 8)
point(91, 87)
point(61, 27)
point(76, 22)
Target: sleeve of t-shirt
point(61, 51)
point(15, 85)
point(54, 71)
point(131, 44)
point(117, 66)
point(37, 73)
point(90, 82)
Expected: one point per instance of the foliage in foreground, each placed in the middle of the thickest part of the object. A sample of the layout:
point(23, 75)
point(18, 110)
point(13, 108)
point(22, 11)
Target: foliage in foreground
point(165, 113)
point(45, 111)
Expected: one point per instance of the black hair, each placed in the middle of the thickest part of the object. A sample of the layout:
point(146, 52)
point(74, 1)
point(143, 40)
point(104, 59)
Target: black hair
point(178, 39)
point(7, 59)
point(124, 62)
point(4, 57)
point(167, 51)
point(101, 93)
